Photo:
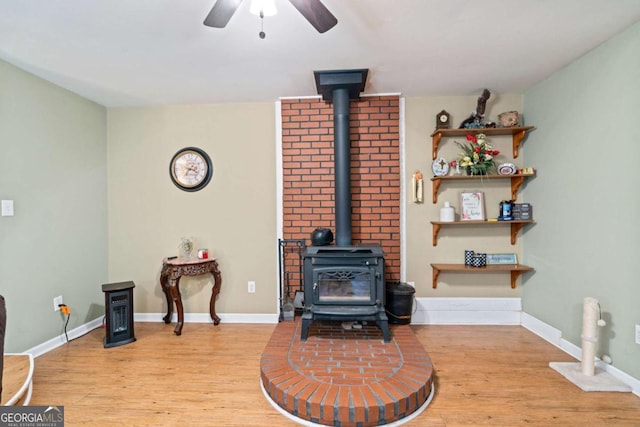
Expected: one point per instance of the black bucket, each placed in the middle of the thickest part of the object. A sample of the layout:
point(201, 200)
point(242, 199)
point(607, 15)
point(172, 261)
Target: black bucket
point(399, 305)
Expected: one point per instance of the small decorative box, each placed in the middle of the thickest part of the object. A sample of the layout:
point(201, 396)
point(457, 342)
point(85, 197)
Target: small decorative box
point(468, 257)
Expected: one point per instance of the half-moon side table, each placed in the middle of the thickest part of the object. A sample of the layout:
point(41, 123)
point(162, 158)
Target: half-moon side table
point(173, 270)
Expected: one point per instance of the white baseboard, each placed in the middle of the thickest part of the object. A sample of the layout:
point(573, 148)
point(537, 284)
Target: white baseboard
point(206, 318)
point(428, 311)
point(550, 334)
point(467, 311)
point(554, 336)
point(60, 340)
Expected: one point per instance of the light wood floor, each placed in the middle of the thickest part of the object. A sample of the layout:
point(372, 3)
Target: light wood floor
point(15, 378)
point(209, 376)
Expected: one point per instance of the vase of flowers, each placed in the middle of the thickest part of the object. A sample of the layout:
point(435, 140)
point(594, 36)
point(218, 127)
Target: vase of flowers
point(477, 155)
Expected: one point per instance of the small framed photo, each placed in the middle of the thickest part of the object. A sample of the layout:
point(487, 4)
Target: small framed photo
point(472, 206)
point(496, 259)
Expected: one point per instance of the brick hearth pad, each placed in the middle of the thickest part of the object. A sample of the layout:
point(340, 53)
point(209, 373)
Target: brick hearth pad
point(346, 377)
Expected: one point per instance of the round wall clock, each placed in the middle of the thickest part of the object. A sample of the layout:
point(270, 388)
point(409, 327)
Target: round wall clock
point(190, 169)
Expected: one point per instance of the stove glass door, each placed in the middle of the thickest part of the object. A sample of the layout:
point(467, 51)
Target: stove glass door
point(344, 285)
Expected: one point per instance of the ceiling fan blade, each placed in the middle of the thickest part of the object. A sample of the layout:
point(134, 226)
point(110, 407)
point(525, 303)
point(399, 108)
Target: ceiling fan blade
point(316, 13)
point(221, 13)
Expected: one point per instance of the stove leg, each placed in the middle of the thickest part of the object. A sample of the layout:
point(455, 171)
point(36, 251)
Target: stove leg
point(384, 325)
point(383, 322)
point(306, 322)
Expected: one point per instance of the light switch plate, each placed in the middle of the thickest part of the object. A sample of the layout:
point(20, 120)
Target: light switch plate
point(7, 208)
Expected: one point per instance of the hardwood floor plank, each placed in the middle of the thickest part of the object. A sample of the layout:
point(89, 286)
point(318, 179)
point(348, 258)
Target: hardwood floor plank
point(15, 378)
point(484, 375)
point(499, 375)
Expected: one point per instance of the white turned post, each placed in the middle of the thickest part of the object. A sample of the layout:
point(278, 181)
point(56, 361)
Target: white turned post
point(590, 316)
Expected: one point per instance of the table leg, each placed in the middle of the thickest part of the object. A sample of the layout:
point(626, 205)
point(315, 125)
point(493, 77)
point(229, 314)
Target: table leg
point(167, 295)
point(214, 295)
point(177, 299)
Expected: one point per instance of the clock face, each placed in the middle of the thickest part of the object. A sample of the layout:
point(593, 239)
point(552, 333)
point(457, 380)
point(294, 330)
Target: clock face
point(190, 169)
point(442, 120)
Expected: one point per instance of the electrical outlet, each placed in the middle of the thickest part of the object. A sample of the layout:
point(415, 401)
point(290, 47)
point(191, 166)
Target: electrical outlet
point(56, 303)
point(637, 334)
point(252, 287)
point(7, 208)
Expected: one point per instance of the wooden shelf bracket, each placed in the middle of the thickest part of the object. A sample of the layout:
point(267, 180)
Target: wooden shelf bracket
point(516, 183)
point(436, 188)
point(436, 230)
point(518, 137)
point(515, 229)
point(514, 276)
point(435, 141)
point(435, 273)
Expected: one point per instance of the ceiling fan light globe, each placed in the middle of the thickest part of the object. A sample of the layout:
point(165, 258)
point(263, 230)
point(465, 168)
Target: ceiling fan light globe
point(267, 7)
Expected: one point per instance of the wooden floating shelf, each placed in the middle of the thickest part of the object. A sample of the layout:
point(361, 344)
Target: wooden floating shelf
point(516, 182)
point(517, 133)
point(514, 269)
point(516, 226)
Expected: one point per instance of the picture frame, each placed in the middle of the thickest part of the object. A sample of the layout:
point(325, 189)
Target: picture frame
point(472, 206)
point(501, 259)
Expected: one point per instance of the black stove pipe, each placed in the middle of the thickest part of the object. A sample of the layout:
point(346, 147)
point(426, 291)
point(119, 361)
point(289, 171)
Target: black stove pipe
point(342, 159)
point(340, 86)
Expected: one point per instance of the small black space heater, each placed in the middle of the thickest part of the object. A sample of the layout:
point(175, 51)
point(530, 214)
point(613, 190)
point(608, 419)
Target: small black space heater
point(118, 304)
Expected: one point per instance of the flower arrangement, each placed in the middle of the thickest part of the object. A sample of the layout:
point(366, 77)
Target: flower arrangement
point(477, 155)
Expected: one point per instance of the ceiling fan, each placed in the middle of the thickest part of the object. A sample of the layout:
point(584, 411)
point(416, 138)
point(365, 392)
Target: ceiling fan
point(313, 10)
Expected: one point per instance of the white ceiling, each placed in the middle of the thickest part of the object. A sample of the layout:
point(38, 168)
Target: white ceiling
point(150, 52)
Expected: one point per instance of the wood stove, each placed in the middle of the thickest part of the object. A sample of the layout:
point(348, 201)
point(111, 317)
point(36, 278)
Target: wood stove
point(343, 282)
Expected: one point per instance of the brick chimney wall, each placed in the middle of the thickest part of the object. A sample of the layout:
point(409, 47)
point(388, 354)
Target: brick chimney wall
point(308, 174)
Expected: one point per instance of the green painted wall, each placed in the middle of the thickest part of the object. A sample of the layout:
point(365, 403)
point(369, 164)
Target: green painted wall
point(587, 237)
point(53, 165)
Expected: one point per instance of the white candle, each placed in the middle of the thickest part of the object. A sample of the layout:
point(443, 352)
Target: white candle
point(420, 190)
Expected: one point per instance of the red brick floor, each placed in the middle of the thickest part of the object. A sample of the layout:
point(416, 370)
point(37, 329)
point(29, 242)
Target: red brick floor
point(346, 377)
